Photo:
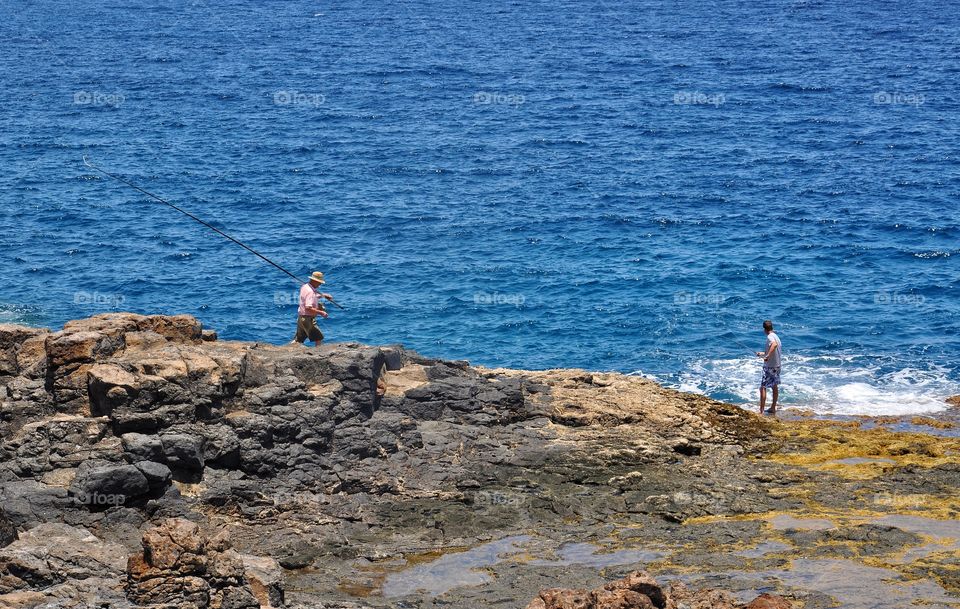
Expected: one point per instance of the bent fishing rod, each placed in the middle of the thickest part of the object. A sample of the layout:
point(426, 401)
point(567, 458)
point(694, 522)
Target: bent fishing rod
point(196, 219)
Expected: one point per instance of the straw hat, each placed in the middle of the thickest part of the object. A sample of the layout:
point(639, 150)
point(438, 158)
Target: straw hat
point(317, 276)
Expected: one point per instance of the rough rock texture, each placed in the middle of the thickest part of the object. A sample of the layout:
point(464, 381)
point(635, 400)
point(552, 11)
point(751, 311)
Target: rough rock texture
point(66, 564)
point(180, 567)
point(768, 601)
point(8, 532)
point(640, 591)
point(177, 566)
point(336, 479)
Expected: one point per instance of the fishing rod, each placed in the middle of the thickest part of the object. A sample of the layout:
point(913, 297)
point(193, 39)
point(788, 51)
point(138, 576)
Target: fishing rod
point(752, 351)
point(196, 219)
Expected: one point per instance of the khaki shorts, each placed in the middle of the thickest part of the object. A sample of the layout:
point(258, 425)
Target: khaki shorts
point(307, 329)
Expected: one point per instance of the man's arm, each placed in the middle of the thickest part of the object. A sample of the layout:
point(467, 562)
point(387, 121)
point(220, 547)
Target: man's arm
point(770, 350)
point(317, 310)
point(313, 307)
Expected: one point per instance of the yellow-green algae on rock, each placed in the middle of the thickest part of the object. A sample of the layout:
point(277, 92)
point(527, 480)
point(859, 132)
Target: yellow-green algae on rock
point(825, 444)
point(886, 472)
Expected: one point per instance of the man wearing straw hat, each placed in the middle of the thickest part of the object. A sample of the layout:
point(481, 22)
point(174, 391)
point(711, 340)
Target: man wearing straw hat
point(310, 307)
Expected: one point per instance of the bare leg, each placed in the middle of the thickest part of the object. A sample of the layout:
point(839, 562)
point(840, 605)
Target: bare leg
point(776, 394)
point(763, 398)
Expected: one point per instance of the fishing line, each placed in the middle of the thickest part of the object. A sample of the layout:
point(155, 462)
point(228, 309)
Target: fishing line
point(196, 219)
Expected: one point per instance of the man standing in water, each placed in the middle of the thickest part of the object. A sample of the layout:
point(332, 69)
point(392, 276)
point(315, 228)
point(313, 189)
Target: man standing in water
point(771, 367)
point(310, 307)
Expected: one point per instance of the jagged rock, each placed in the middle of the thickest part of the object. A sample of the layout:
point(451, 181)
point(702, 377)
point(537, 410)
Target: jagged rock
point(158, 475)
point(143, 446)
point(8, 531)
point(221, 446)
point(57, 555)
point(620, 599)
point(183, 451)
point(18, 349)
point(266, 579)
point(679, 596)
point(640, 591)
point(181, 567)
point(320, 455)
point(559, 598)
point(154, 386)
point(72, 352)
point(642, 583)
point(23, 599)
point(635, 591)
point(59, 442)
point(28, 502)
point(768, 601)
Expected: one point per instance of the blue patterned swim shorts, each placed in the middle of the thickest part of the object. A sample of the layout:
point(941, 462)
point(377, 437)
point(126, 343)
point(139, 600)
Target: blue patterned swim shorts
point(771, 377)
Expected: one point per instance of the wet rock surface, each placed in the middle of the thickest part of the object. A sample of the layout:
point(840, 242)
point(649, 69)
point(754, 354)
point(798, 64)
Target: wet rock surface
point(638, 590)
point(222, 474)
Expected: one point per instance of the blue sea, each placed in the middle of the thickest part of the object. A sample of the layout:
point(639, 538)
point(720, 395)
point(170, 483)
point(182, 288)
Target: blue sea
point(629, 186)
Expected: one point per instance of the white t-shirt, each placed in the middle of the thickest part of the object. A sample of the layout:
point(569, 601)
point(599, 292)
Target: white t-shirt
point(774, 360)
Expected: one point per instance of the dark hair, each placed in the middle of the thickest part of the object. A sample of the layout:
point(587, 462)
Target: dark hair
point(767, 325)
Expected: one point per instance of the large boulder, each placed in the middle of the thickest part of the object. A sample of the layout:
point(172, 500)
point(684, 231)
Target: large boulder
point(143, 447)
point(183, 451)
point(99, 485)
point(75, 350)
point(158, 475)
point(154, 384)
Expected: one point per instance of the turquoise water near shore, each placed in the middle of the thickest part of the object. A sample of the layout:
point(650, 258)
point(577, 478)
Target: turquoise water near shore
point(615, 186)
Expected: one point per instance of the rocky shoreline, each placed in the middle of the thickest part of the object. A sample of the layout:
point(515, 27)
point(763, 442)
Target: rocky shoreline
point(143, 462)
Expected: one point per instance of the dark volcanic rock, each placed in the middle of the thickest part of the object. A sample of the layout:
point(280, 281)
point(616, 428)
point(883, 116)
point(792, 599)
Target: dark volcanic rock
point(143, 446)
point(182, 451)
point(158, 475)
point(108, 484)
point(349, 461)
point(8, 531)
point(28, 502)
point(867, 539)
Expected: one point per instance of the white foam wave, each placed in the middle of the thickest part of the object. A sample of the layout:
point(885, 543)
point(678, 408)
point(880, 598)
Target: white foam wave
point(842, 385)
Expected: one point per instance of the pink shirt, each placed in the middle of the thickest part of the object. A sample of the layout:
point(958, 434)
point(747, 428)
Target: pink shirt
point(308, 298)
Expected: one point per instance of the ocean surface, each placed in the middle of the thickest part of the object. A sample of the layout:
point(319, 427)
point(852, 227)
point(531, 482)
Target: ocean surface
point(611, 185)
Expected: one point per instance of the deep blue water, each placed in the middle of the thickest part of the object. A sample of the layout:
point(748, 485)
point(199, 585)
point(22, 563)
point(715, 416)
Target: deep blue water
point(610, 185)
